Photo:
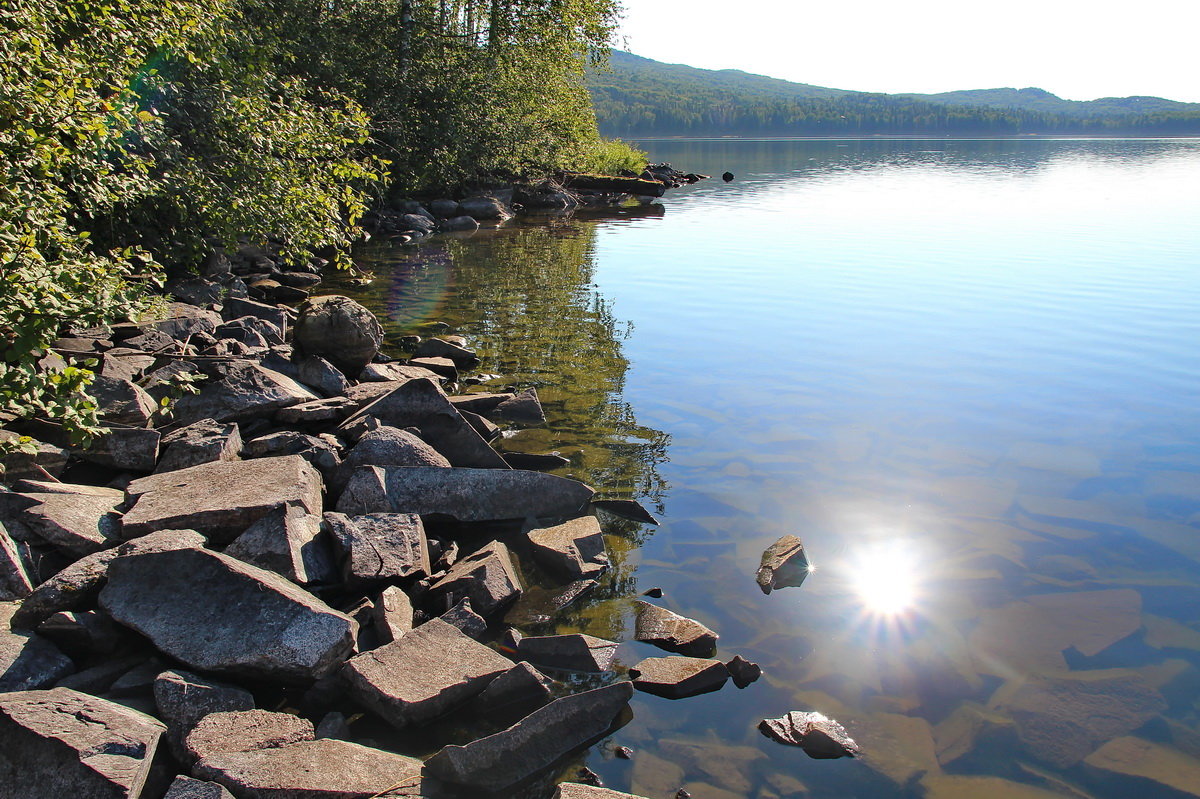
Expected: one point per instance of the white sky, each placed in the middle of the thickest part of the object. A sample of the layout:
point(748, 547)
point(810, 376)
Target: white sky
point(1078, 49)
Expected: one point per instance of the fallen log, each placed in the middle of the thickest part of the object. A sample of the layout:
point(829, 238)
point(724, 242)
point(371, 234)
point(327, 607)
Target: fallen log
point(638, 186)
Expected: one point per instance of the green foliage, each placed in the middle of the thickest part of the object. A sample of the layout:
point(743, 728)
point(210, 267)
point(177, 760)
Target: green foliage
point(609, 157)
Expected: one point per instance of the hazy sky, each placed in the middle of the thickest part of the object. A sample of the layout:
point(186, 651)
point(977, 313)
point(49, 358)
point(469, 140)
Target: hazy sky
point(1075, 49)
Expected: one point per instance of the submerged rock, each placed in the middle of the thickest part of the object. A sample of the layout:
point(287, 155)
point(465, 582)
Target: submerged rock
point(820, 737)
point(673, 632)
point(61, 742)
point(678, 677)
point(783, 564)
point(533, 743)
point(1145, 768)
point(575, 790)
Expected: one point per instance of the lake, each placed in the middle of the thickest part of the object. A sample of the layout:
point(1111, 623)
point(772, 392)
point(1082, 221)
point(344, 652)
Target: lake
point(965, 373)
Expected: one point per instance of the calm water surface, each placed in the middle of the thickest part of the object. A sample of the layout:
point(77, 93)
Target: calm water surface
point(963, 372)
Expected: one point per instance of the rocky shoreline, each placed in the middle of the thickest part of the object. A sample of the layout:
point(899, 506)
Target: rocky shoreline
point(282, 516)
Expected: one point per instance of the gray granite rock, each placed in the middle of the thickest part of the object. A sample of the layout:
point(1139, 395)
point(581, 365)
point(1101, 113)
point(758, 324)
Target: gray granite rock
point(60, 743)
point(820, 737)
point(218, 614)
point(469, 495)
point(334, 725)
point(570, 551)
point(236, 307)
point(440, 348)
point(82, 635)
point(132, 449)
point(205, 441)
point(78, 524)
point(332, 409)
point(326, 768)
point(122, 401)
point(379, 547)
point(248, 392)
point(486, 577)
point(223, 498)
point(443, 367)
point(18, 465)
point(393, 614)
point(319, 451)
point(466, 619)
point(340, 329)
point(522, 685)
point(184, 698)
point(319, 373)
point(188, 788)
point(386, 446)
point(783, 564)
point(523, 408)
point(572, 652)
point(15, 580)
point(533, 743)
point(673, 632)
point(574, 790)
point(243, 731)
point(678, 677)
point(28, 661)
point(424, 674)
point(287, 541)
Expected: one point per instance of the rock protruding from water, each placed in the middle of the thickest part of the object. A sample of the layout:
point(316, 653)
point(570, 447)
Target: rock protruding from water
point(522, 408)
point(819, 736)
point(522, 685)
point(673, 632)
point(570, 551)
point(626, 509)
point(571, 652)
point(223, 498)
point(469, 495)
point(743, 671)
point(533, 743)
point(380, 547)
point(339, 329)
point(215, 613)
point(679, 677)
point(61, 742)
point(423, 674)
point(487, 577)
point(783, 564)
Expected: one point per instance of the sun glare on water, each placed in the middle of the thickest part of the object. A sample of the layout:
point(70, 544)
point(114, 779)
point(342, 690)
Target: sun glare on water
point(885, 577)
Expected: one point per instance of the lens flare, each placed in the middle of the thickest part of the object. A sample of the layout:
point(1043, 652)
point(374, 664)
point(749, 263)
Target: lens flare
point(885, 577)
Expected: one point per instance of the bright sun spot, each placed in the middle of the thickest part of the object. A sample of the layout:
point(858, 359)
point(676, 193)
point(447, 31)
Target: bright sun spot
point(885, 577)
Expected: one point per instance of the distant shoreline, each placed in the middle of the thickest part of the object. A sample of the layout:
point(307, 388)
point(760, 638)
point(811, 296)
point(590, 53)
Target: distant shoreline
point(912, 137)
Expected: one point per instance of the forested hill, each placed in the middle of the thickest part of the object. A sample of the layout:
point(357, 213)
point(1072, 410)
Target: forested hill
point(640, 97)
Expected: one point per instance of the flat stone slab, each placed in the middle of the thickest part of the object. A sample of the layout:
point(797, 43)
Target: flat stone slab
point(247, 392)
point(783, 564)
point(1148, 768)
point(61, 743)
point(486, 577)
point(673, 632)
point(573, 790)
point(380, 547)
point(424, 674)
point(183, 699)
point(533, 743)
point(819, 736)
point(78, 524)
point(201, 442)
point(244, 730)
point(678, 677)
point(327, 768)
point(215, 613)
point(469, 495)
point(223, 498)
point(570, 551)
point(28, 661)
point(188, 788)
point(571, 652)
point(286, 541)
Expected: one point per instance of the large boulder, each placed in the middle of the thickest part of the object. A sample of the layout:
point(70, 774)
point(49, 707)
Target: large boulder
point(486, 577)
point(122, 401)
point(61, 743)
point(423, 674)
point(819, 736)
point(469, 495)
point(533, 743)
point(570, 551)
point(380, 547)
point(339, 330)
point(673, 632)
point(217, 614)
point(223, 498)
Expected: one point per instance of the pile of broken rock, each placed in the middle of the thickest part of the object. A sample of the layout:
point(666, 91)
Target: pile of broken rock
point(287, 534)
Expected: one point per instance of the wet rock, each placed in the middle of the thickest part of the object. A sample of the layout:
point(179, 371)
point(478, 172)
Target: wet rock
point(533, 743)
point(673, 632)
point(61, 742)
point(535, 462)
point(1139, 767)
point(486, 430)
point(339, 329)
point(783, 564)
point(326, 768)
point(245, 730)
point(218, 614)
point(393, 614)
point(422, 675)
point(469, 495)
point(15, 580)
point(653, 593)
point(459, 224)
point(678, 677)
point(324, 410)
point(421, 404)
point(205, 441)
point(188, 788)
point(575, 790)
point(319, 451)
point(820, 737)
point(78, 524)
point(184, 698)
point(387, 446)
point(538, 605)
point(133, 449)
point(379, 547)
point(28, 661)
point(522, 685)
point(743, 671)
point(223, 498)
point(570, 551)
point(625, 509)
point(573, 652)
point(439, 348)
point(465, 619)
point(1060, 720)
point(248, 392)
point(522, 408)
point(288, 542)
point(487, 578)
point(122, 401)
